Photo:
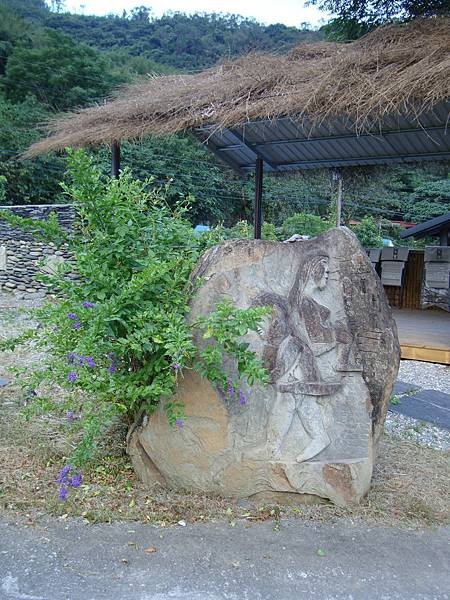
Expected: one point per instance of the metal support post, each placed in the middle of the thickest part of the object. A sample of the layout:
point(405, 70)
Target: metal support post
point(258, 198)
point(115, 159)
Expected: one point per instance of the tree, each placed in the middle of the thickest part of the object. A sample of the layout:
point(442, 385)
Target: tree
point(27, 182)
point(430, 199)
point(12, 30)
point(375, 12)
point(343, 30)
point(60, 73)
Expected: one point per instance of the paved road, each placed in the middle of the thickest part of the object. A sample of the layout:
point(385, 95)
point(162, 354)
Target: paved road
point(62, 560)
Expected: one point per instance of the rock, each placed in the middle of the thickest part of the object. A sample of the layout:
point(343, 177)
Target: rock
point(332, 352)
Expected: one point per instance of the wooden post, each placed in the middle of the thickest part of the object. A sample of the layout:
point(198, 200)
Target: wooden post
point(444, 235)
point(259, 170)
point(115, 159)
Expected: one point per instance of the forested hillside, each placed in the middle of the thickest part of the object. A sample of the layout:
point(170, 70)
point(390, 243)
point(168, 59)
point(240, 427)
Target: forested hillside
point(181, 41)
point(55, 61)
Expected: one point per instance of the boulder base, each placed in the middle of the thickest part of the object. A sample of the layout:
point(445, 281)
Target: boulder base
point(332, 352)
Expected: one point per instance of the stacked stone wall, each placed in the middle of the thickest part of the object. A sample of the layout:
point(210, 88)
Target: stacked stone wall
point(22, 257)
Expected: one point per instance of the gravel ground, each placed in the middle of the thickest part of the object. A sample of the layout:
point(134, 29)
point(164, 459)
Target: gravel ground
point(425, 375)
point(429, 376)
point(420, 432)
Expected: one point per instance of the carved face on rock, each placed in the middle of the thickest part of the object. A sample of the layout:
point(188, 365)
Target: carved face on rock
point(320, 272)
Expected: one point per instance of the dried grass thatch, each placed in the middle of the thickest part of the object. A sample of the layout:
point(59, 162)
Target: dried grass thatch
point(397, 69)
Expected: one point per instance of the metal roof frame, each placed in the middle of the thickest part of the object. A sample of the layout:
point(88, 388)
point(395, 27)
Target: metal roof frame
point(289, 144)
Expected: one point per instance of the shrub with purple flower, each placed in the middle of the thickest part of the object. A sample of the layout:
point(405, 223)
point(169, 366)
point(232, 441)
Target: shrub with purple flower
point(125, 312)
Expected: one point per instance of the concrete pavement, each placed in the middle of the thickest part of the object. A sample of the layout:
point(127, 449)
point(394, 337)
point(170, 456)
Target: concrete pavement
point(71, 560)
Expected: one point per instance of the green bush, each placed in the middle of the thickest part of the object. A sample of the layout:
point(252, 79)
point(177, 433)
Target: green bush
point(304, 224)
point(368, 233)
point(245, 230)
point(119, 330)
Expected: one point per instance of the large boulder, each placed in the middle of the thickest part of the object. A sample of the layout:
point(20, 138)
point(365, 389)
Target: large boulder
point(332, 352)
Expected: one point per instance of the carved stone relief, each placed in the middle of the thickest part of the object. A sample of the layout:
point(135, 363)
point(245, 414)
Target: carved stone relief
point(332, 353)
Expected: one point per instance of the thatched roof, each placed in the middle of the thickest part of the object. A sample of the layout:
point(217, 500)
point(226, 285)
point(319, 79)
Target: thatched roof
point(397, 69)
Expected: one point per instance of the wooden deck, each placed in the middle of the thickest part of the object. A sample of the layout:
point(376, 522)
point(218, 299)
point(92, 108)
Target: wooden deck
point(424, 334)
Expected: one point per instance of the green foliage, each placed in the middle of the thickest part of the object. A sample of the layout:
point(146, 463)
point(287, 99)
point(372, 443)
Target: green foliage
point(42, 230)
point(27, 182)
point(368, 233)
point(179, 40)
point(12, 30)
point(429, 199)
point(245, 230)
point(304, 224)
point(343, 29)
point(60, 73)
point(188, 168)
point(376, 12)
point(119, 331)
point(2, 188)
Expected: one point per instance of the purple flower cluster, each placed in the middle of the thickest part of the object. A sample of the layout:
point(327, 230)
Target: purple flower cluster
point(231, 391)
point(78, 359)
point(242, 398)
point(179, 422)
point(175, 366)
point(87, 360)
point(70, 415)
point(71, 377)
point(88, 304)
point(74, 317)
point(113, 366)
point(68, 477)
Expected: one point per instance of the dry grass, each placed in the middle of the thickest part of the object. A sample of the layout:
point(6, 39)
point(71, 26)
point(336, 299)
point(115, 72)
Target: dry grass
point(410, 487)
point(395, 69)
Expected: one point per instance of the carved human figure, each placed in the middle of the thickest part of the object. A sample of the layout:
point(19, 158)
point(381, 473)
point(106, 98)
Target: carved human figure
point(302, 331)
point(323, 334)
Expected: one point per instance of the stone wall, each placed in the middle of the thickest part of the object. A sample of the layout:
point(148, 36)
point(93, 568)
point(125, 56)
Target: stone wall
point(22, 257)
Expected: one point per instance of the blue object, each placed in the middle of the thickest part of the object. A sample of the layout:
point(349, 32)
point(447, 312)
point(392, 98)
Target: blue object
point(201, 228)
point(3, 382)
